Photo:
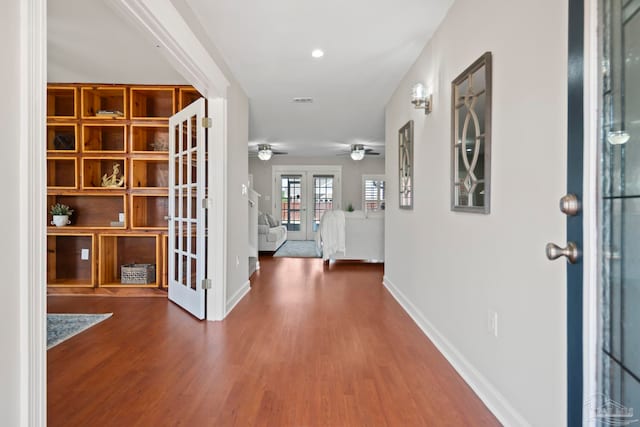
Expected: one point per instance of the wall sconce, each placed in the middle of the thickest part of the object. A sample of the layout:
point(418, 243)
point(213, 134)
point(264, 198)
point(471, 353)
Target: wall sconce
point(420, 99)
point(264, 152)
point(357, 152)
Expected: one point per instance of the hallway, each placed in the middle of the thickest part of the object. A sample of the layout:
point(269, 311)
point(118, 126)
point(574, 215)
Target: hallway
point(310, 345)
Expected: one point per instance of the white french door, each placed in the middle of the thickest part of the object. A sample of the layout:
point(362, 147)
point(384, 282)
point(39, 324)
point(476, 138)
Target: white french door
point(293, 205)
point(186, 252)
point(302, 194)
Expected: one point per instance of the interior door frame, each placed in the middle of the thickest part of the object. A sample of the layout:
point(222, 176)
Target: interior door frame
point(307, 171)
point(162, 22)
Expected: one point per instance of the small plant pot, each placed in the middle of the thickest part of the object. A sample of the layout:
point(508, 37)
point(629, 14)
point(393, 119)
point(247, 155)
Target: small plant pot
point(60, 220)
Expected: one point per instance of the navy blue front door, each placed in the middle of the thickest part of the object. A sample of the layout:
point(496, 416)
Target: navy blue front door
point(575, 151)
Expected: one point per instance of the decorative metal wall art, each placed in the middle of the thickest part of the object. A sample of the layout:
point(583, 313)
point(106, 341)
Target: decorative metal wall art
point(471, 138)
point(405, 157)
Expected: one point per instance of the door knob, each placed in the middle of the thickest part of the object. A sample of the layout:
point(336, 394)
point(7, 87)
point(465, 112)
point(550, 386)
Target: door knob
point(570, 205)
point(167, 218)
point(570, 251)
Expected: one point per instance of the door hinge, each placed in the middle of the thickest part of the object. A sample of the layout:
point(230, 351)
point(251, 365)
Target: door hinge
point(207, 122)
point(205, 203)
point(206, 284)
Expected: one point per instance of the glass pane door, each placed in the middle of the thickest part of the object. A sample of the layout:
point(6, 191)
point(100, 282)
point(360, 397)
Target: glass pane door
point(322, 199)
point(292, 206)
point(619, 199)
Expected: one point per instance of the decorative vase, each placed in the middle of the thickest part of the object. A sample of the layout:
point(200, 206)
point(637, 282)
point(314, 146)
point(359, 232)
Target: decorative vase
point(60, 220)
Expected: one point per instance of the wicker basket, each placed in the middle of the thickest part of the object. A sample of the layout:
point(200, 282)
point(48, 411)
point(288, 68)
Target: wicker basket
point(137, 273)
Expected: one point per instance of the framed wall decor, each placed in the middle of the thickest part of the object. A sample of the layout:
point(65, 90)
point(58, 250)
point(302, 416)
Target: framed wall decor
point(471, 138)
point(405, 157)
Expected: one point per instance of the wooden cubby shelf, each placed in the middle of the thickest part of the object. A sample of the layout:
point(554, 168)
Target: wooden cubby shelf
point(152, 103)
point(187, 96)
point(149, 173)
point(92, 211)
point(149, 211)
point(61, 103)
point(94, 169)
point(119, 249)
point(91, 127)
point(104, 138)
point(62, 138)
point(97, 102)
point(70, 260)
point(149, 138)
point(61, 173)
point(165, 261)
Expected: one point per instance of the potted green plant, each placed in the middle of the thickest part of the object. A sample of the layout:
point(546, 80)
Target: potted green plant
point(60, 214)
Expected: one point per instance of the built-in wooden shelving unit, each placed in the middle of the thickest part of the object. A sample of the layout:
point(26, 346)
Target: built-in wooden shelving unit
point(92, 129)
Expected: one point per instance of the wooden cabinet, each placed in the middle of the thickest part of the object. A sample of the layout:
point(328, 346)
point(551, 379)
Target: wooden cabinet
point(107, 158)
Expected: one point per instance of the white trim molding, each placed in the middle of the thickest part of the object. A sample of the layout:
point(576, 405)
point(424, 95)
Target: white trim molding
point(217, 245)
point(591, 173)
point(237, 296)
point(180, 46)
point(33, 232)
point(491, 397)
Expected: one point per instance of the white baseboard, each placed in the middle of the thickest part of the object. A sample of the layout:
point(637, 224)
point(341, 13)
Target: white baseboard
point(237, 296)
point(491, 397)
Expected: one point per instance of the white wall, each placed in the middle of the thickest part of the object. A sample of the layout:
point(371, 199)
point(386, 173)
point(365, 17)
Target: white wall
point(10, 361)
point(352, 172)
point(451, 268)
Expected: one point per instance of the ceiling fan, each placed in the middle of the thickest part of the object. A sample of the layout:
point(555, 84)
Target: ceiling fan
point(265, 151)
point(358, 151)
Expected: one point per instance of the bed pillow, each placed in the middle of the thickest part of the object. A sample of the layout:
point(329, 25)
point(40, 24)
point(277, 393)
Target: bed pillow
point(272, 221)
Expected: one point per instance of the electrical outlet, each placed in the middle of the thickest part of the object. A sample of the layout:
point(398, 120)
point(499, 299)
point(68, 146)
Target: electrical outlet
point(237, 261)
point(244, 190)
point(84, 254)
point(492, 322)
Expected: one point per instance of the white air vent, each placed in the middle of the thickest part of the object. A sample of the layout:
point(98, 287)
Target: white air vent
point(303, 100)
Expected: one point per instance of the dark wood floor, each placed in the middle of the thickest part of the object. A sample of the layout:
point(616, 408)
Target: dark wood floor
point(310, 345)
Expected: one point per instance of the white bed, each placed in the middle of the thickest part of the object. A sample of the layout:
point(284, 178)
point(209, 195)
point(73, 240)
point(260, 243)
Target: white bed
point(363, 237)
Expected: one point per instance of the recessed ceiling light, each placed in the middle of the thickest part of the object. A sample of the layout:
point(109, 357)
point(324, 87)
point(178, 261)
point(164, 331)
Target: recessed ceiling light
point(317, 53)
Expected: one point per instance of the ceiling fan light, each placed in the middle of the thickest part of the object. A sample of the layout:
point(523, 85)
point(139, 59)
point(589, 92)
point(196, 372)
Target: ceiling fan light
point(264, 152)
point(357, 152)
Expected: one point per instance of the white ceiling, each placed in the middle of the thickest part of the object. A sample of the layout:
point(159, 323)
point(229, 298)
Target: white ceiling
point(368, 44)
point(89, 42)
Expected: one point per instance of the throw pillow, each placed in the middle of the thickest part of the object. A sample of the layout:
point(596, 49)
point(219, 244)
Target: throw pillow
point(272, 221)
point(262, 219)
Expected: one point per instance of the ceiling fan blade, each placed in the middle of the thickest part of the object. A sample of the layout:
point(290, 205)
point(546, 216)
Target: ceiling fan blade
point(279, 152)
point(371, 153)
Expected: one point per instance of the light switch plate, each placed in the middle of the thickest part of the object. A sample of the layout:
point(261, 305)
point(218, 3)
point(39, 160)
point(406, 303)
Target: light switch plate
point(84, 254)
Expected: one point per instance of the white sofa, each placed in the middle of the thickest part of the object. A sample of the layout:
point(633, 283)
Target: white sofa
point(270, 238)
point(363, 239)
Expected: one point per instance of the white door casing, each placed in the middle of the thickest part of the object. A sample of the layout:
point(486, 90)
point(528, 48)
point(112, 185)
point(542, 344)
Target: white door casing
point(163, 24)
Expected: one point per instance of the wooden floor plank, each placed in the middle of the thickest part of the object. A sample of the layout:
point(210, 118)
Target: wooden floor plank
point(311, 345)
